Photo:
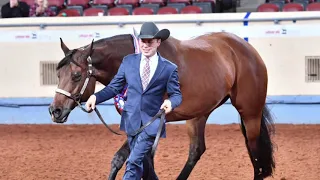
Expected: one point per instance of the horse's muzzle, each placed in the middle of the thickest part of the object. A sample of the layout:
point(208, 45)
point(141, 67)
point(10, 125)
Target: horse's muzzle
point(58, 114)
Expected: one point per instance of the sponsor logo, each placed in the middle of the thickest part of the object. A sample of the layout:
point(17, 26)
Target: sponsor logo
point(284, 31)
point(272, 32)
point(34, 35)
point(26, 36)
point(85, 35)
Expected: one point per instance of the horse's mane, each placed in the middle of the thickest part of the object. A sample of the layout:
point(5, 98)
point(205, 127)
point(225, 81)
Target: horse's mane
point(99, 43)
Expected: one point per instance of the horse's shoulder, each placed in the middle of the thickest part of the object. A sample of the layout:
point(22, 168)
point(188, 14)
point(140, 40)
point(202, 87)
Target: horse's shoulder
point(169, 63)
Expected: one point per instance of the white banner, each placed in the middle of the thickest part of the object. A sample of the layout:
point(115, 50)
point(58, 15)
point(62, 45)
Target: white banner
point(179, 33)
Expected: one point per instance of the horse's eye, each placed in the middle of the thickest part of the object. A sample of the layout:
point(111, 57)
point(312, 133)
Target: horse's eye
point(76, 76)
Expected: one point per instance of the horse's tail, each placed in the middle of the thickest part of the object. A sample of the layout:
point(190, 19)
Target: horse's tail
point(264, 144)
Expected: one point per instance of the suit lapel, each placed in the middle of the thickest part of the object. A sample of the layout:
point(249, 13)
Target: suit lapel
point(137, 71)
point(158, 71)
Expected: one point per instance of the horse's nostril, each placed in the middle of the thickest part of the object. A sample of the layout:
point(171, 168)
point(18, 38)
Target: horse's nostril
point(50, 110)
point(57, 112)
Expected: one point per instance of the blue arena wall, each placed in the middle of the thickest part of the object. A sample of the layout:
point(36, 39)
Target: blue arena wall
point(285, 109)
point(287, 42)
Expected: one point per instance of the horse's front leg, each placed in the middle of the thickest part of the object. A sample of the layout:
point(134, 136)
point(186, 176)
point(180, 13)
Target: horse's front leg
point(118, 160)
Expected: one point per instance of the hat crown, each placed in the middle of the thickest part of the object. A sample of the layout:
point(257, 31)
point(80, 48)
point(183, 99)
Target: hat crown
point(149, 28)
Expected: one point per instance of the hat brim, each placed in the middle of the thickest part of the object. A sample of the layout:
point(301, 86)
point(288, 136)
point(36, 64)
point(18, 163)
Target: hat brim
point(163, 34)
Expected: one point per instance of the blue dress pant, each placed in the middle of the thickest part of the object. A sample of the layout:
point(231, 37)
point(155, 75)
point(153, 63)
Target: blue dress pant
point(140, 157)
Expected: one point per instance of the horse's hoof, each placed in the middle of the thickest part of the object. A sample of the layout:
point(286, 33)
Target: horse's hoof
point(258, 178)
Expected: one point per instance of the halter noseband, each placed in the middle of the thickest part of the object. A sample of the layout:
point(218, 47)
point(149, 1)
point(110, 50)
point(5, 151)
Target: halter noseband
point(77, 97)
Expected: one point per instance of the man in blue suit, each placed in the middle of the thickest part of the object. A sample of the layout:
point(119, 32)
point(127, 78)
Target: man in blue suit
point(149, 76)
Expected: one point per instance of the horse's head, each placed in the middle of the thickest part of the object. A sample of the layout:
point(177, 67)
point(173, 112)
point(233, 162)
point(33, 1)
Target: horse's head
point(76, 81)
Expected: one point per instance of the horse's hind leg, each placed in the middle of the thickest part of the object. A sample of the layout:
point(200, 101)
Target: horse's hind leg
point(197, 146)
point(255, 121)
point(118, 160)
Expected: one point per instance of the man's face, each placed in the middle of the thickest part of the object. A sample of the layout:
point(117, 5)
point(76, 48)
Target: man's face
point(40, 2)
point(13, 2)
point(149, 46)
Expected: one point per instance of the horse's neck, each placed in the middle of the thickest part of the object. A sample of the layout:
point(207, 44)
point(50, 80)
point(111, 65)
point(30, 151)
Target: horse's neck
point(169, 50)
point(110, 55)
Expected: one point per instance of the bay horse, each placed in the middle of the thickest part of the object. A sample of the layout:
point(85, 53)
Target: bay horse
point(212, 68)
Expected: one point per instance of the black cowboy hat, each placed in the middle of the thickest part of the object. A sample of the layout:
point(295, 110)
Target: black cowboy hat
point(149, 30)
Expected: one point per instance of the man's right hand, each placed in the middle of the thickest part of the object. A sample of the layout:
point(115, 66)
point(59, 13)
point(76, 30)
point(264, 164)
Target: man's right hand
point(91, 103)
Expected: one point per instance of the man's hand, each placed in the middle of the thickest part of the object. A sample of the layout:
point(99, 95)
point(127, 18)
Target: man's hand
point(166, 106)
point(91, 103)
point(39, 10)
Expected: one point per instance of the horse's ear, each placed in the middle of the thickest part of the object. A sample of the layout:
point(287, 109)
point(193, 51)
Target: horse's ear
point(135, 33)
point(91, 48)
point(64, 48)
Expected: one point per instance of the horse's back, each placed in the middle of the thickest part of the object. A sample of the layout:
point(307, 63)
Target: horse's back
point(211, 66)
point(218, 40)
point(241, 47)
point(229, 49)
point(248, 62)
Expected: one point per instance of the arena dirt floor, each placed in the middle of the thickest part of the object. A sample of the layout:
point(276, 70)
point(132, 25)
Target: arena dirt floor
point(85, 152)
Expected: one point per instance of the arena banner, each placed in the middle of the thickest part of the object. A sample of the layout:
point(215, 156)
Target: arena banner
point(256, 31)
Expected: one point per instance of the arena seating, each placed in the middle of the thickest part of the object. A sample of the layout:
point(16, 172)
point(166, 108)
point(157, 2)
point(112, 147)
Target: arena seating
point(141, 7)
point(313, 7)
point(79, 5)
point(167, 10)
point(153, 4)
point(289, 6)
point(142, 11)
point(70, 12)
point(268, 7)
point(56, 5)
point(191, 10)
point(93, 11)
point(207, 6)
point(118, 11)
point(103, 4)
point(128, 7)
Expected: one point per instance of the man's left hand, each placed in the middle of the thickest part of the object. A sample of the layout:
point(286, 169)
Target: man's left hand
point(166, 105)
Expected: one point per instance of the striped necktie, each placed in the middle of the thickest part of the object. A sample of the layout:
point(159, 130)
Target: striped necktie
point(145, 74)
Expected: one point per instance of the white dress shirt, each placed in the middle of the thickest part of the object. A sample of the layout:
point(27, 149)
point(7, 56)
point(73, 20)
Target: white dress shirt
point(153, 65)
